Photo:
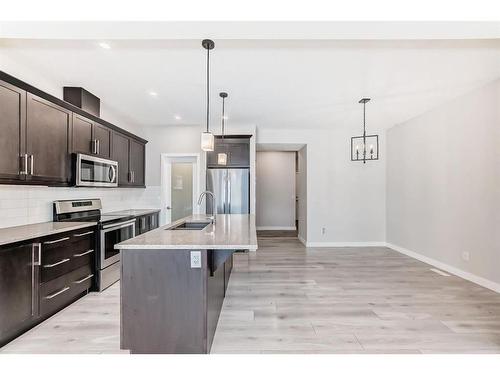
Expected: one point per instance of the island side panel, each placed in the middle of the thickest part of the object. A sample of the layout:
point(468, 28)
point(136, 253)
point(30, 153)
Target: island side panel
point(163, 302)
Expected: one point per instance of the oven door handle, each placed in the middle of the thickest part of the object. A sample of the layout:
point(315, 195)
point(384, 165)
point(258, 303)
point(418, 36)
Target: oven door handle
point(120, 225)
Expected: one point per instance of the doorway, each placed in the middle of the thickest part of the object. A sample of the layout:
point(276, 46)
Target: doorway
point(180, 186)
point(281, 190)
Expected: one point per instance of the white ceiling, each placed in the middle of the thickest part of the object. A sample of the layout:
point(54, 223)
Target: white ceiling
point(271, 83)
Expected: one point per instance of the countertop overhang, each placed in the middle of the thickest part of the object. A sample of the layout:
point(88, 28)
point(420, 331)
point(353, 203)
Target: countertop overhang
point(230, 232)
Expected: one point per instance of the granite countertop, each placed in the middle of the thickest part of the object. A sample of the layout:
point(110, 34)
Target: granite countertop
point(234, 232)
point(134, 212)
point(31, 231)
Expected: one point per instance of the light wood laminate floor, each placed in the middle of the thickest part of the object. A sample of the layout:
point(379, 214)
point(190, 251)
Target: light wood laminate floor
point(286, 299)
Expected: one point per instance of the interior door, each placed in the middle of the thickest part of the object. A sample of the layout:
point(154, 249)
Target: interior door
point(13, 125)
point(48, 129)
point(238, 188)
point(181, 190)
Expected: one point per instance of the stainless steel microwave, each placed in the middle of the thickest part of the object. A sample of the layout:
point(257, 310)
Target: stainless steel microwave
point(94, 171)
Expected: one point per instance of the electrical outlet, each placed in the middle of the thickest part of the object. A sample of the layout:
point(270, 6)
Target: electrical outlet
point(195, 259)
point(465, 256)
point(323, 231)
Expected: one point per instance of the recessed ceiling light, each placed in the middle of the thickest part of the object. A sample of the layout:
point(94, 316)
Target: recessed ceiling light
point(177, 117)
point(153, 93)
point(225, 117)
point(104, 45)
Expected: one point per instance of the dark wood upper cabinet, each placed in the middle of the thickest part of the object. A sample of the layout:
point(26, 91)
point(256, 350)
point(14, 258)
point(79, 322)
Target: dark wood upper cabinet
point(137, 154)
point(40, 132)
point(237, 149)
point(48, 135)
point(16, 289)
point(13, 127)
point(120, 153)
point(102, 135)
point(82, 134)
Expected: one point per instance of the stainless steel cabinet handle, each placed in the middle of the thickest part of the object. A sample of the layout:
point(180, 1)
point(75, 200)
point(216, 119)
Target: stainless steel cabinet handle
point(93, 147)
point(25, 164)
point(56, 241)
point(32, 164)
point(84, 279)
point(56, 264)
point(50, 296)
point(36, 256)
point(98, 146)
point(83, 234)
point(84, 253)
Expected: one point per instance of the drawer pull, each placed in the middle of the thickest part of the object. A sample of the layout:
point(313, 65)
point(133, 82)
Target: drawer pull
point(84, 279)
point(56, 264)
point(50, 296)
point(84, 253)
point(56, 241)
point(83, 234)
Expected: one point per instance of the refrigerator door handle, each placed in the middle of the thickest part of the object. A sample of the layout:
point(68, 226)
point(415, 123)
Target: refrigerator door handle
point(229, 195)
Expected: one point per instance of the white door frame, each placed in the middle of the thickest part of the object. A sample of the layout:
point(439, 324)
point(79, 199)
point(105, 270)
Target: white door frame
point(166, 181)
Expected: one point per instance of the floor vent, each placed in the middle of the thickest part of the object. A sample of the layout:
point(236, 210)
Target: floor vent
point(439, 272)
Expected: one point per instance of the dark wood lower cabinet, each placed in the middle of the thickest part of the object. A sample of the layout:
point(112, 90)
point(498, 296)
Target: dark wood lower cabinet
point(17, 288)
point(180, 310)
point(146, 223)
point(43, 276)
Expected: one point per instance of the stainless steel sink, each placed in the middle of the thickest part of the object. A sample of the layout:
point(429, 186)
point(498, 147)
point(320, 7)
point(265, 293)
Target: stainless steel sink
point(190, 225)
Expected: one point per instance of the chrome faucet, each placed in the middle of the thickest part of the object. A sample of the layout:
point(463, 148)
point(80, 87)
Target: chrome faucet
point(214, 205)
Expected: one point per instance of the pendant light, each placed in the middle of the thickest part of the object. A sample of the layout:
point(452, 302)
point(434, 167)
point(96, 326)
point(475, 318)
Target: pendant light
point(365, 147)
point(222, 156)
point(207, 138)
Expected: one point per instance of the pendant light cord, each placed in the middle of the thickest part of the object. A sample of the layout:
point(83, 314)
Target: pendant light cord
point(364, 132)
point(208, 87)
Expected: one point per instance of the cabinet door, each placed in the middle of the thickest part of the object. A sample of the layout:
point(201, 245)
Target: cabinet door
point(120, 153)
point(238, 154)
point(82, 134)
point(17, 279)
point(47, 141)
point(137, 151)
point(12, 127)
point(102, 135)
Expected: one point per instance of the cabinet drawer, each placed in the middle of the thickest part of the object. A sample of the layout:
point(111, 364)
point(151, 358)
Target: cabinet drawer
point(66, 253)
point(61, 291)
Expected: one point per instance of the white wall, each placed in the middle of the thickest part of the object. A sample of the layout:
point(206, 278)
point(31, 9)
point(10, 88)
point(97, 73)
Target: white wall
point(275, 174)
point(301, 186)
point(443, 183)
point(346, 198)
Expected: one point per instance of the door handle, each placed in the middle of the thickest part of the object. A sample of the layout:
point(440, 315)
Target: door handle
point(24, 159)
point(98, 146)
point(57, 293)
point(56, 241)
point(32, 164)
point(83, 234)
point(84, 279)
point(84, 253)
point(56, 264)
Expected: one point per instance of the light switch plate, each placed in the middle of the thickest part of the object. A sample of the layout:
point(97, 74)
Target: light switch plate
point(195, 259)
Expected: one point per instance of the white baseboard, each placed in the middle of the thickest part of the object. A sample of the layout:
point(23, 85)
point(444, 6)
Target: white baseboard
point(445, 267)
point(277, 228)
point(345, 244)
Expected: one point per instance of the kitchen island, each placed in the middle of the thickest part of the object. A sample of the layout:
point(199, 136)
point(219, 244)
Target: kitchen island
point(173, 282)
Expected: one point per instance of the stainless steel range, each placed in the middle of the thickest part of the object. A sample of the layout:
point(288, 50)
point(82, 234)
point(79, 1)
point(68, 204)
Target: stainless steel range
point(112, 230)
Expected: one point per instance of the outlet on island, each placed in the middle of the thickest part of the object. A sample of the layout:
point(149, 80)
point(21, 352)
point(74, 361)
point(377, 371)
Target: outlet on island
point(195, 259)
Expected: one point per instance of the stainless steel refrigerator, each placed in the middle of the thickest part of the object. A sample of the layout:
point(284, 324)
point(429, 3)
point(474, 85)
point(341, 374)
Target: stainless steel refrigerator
point(231, 187)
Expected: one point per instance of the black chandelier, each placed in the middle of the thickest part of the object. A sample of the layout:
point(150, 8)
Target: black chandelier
point(364, 147)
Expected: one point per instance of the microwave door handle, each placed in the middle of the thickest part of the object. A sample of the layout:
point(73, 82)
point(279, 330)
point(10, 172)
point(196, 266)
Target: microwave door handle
point(113, 173)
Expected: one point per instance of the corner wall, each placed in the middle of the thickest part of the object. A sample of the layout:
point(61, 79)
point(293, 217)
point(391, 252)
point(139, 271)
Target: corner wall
point(443, 186)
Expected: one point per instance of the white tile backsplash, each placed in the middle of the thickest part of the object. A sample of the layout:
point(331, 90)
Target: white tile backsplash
point(21, 205)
